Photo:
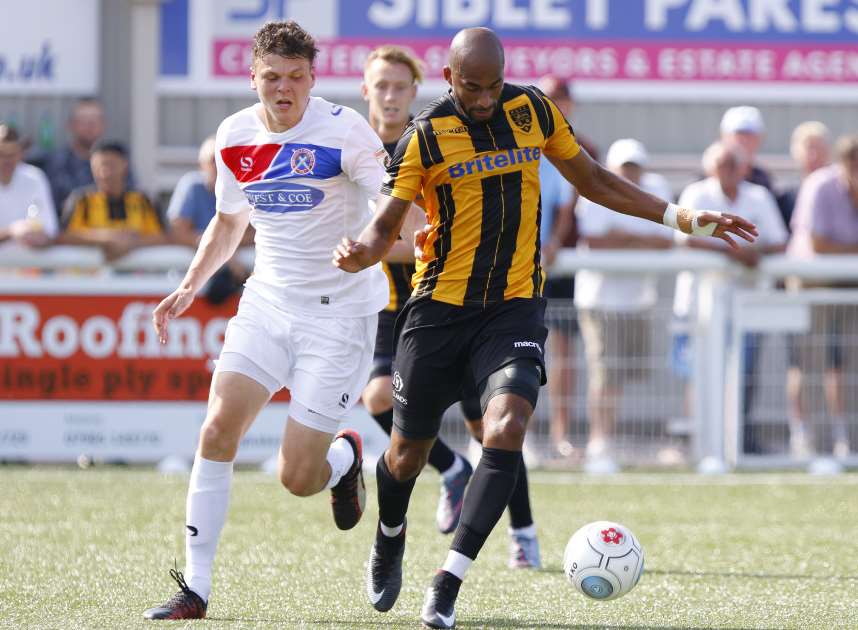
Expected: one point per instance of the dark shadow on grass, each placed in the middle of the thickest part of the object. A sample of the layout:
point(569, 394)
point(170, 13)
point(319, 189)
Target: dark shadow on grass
point(762, 576)
point(291, 623)
point(495, 622)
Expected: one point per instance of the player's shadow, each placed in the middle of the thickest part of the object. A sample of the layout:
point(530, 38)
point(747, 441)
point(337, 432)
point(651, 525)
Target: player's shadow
point(761, 576)
point(494, 622)
point(328, 623)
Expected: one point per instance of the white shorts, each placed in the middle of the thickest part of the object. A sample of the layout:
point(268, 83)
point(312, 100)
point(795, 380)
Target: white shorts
point(324, 361)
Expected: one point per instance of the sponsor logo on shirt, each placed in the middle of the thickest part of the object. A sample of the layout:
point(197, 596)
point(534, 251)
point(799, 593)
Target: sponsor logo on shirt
point(282, 197)
point(444, 132)
point(492, 160)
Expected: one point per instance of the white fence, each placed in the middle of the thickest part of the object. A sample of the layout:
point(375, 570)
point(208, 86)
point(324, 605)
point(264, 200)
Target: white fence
point(655, 426)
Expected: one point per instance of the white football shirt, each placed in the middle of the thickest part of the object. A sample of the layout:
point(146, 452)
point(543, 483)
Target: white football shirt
point(307, 188)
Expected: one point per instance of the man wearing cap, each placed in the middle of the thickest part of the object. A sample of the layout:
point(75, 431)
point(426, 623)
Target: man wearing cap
point(744, 126)
point(613, 307)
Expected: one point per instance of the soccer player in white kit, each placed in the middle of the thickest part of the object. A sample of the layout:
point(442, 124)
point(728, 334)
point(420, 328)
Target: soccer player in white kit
point(303, 172)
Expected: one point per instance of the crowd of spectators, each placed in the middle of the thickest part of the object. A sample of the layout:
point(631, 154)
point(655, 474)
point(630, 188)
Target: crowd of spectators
point(84, 194)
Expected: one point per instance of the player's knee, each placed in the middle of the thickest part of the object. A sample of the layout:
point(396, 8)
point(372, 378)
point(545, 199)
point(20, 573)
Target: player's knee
point(297, 482)
point(505, 427)
point(406, 461)
point(219, 437)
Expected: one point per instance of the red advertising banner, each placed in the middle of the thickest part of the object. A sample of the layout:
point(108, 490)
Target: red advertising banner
point(103, 347)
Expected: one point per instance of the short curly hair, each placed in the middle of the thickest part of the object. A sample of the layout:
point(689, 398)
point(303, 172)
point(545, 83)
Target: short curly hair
point(284, 38)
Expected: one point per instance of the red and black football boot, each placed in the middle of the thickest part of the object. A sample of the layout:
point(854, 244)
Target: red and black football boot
point(183, 605)
point(348, 497)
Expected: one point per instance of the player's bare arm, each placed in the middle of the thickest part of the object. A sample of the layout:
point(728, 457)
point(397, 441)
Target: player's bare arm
point(217, 245)
point(376, 239)
point(607, 189)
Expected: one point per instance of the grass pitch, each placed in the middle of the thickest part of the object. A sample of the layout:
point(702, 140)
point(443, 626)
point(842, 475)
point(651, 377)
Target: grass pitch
point(92, 549)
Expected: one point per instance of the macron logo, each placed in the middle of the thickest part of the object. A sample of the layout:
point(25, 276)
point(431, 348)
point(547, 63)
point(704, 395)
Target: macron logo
point(495, 159)
point(527, 344)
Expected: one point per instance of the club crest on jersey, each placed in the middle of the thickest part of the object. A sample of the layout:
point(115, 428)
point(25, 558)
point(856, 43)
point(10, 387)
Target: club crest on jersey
point(246, 163)
point(522, 118)
point(303, 161)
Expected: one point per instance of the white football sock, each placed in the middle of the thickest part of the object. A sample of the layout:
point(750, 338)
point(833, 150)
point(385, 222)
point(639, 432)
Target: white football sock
point(341, 456)
point(455, 469)
point(527, 532)
point(206, 508)
point(457, 564)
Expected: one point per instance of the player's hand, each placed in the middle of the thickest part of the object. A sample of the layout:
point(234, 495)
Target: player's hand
point(351, 256)
point(729, 226)
point(420, 237)
point(170, 307)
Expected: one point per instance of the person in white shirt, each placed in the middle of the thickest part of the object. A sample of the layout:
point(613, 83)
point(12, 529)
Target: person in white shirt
point(304, 172)
point(612, 306)
point(27, 214)
point(725, 186)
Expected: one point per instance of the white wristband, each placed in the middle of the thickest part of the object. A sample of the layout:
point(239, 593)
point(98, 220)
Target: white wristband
point(669, 218)
point(671, 214)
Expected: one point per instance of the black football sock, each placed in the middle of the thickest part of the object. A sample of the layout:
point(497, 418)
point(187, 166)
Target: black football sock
point(393, 495)
point(488, 495)
point(441, 457)
point(519, 503)
point(385, 420)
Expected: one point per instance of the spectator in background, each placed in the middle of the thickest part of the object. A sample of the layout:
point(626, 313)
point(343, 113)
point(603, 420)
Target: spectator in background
point(27, 213)
point(557, 230)
point(69, 168)
point(826, 222)
point(726, 188)
point(109, 215)
point(612, 306)
point(810, 147)
point(744, 127)
point(192, 206)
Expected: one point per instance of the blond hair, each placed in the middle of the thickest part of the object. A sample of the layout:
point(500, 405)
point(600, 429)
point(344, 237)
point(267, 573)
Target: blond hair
point(804, 132)
point(395, 54)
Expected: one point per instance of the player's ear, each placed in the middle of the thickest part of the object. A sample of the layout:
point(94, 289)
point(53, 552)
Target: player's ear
point(448, 75)
point(253, 75)
point(312, 77)
point(413, 91)
point(364, 91)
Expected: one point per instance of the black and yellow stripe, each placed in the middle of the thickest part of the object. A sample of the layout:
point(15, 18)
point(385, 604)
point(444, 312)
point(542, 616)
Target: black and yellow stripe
point(480, 184)
point(89, 209)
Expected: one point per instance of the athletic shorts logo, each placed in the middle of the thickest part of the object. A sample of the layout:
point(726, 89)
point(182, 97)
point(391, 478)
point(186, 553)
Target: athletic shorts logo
point(193, 530)
point(527, 344)
point(344, 401)
point(303, 160)
point(522, 118)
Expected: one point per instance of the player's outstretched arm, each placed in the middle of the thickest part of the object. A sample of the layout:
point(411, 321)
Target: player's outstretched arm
point(377, 237)
point(217, 246)
point(603, 187)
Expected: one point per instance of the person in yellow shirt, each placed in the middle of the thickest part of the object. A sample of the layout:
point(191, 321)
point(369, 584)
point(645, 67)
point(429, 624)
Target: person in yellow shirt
point(107, 214)
point(477, 312)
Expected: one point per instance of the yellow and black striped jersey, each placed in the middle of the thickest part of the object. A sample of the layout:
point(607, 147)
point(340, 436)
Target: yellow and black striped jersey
point(398, 273)
point(480, 184)
point(88, 208)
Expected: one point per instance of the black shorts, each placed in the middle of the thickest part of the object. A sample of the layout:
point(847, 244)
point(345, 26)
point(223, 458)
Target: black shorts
point(382, 358)
point(443, 350)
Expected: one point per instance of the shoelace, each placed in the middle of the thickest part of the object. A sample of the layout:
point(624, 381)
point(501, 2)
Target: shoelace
point(185, 593)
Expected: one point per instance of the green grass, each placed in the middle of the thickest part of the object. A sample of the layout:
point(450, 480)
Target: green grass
point(92, 549)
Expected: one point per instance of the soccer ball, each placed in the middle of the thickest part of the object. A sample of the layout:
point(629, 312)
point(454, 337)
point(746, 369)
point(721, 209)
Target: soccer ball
point(603, 560)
